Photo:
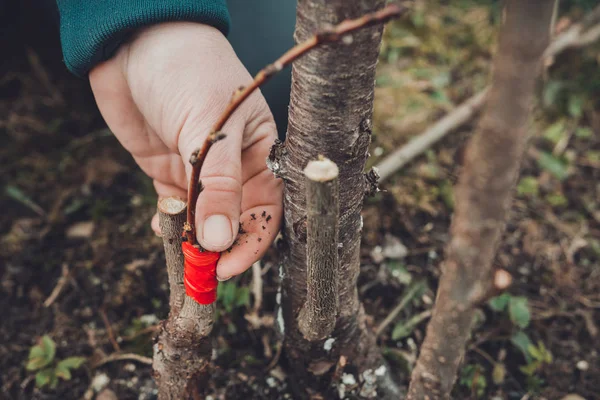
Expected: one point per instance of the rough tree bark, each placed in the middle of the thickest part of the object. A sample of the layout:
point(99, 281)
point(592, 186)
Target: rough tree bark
point(330, 114)
point(318, 316)
point(182, 348)
point(483, 197)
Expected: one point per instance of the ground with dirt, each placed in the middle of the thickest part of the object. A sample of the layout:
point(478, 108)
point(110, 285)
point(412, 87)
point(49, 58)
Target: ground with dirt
point(79, 262)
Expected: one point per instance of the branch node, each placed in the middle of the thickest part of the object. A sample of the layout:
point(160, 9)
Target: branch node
point(194, 157)
point(372, 182)
point(217, 136)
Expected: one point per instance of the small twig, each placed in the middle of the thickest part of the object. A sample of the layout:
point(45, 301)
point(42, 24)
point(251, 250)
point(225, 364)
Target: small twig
point(59, 286)
point(457, 117)
point(257, 286)
point(141, 332)
point(579, 35)
point(275, 360)
point(484, 355)
point(109, 330)
point(410, 294)
point(328, 35)
point(123, 357)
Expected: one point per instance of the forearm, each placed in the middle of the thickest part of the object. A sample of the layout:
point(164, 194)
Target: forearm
point(91, 31)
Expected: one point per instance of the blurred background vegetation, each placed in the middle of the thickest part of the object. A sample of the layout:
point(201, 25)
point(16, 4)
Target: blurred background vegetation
point(82, 275)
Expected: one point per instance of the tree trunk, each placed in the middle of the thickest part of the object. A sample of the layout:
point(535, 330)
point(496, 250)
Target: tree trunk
point(483, 197)
point(330, 115)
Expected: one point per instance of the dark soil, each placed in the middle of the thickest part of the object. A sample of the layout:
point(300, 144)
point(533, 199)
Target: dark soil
point(76, 207)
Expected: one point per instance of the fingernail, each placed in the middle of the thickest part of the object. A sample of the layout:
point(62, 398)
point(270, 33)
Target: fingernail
point(223, 279)
point(217, 231)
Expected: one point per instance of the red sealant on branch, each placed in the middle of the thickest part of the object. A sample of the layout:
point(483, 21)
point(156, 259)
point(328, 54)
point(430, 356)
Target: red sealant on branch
point(200, 273)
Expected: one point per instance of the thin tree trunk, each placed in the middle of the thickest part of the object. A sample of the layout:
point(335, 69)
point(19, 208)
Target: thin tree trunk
point(182, 349)
point(483, 197)
point(330, 114)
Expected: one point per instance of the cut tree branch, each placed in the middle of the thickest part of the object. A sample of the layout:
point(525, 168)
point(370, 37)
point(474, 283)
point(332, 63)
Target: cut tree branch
point(579, 35)
point(171, 217)
point(182, 350)
point(319, 314)
point(328, 35)
point(483, 197)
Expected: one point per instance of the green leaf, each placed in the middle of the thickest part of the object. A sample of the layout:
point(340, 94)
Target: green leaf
point(518, 308)
point(41, 354)
point(555, 132)
point(36, 363)
point(557, 200)
point(535, 352)
point(53, 381)
point(540, 353)
point(473, 378)
point(576, 106)
point(16, 194)
point(499, 303)
point(447, 193)
point(584, 133)
point(37, 358)
point(63, 372)
point(399, 271)
point(522, 342)
point(49, 347)
point(36, 351)
point(242, 297)
point(71, 362)
point(557, 167)
point(593, 156)
point(226, 295)
point(530, 368)
point(528, 186)
point(551, 92)
point(499, 373)
point(44, 377)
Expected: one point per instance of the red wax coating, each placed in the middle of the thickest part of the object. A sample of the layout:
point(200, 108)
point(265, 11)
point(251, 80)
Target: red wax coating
point(200, 273)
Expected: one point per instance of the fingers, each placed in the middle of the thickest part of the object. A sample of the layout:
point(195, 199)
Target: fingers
point(262, 212)
point(218, 209)
point(254, 241)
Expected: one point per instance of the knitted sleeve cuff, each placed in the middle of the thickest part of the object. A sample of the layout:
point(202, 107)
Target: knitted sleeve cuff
point(92, 30)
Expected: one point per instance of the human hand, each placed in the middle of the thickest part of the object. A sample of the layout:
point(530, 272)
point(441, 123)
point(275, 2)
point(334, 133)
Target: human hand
point(160, 95)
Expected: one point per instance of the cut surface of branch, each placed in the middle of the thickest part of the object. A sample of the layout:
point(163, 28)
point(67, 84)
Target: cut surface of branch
point(319, 313)
point(333, 34)
point(483, 197)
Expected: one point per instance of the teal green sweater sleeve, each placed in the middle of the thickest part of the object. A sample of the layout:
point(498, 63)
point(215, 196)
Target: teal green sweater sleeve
point(91, 30)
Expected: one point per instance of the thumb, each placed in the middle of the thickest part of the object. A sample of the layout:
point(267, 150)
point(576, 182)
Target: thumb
point(217, 213)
